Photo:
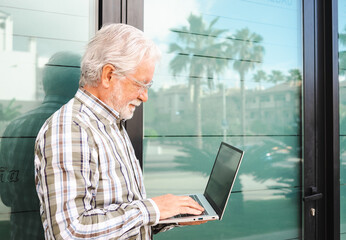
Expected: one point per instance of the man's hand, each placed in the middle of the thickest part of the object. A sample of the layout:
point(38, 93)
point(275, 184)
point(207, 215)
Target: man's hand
point(171, 205)
point(192, 223)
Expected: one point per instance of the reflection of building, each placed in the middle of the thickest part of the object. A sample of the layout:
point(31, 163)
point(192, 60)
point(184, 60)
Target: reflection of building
point(6, 28)
point(342, 99)
point(18, 70)
point(277, 104)
point(342, 93)
point(221, 109)
point(175, 103)
point(16, 64)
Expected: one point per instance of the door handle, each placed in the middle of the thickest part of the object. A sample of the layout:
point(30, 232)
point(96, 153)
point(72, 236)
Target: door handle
point(314, 195)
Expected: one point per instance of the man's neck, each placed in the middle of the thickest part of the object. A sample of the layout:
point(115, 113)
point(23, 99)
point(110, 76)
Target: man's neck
point(100, 94)
point(93, 90)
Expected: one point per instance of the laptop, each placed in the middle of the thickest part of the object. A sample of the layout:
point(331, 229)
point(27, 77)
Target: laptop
point(218, 189)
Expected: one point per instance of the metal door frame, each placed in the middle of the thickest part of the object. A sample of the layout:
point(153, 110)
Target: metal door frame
point(321, 160)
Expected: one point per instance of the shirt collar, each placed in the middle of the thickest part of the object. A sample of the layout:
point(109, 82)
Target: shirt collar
point(97, 106)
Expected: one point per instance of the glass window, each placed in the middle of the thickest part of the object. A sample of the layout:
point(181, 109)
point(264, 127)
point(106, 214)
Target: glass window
point(342, 95)
point(238, 65)
point(41, 43)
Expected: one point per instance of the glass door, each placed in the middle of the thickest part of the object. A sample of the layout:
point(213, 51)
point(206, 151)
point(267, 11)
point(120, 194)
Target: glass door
point(228, 73)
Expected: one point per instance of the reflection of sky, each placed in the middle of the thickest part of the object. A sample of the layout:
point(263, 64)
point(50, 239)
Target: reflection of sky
point(342, 20)
point(252, 186)
point(342, 28)
point(49, 24)
point(37, 30)
point(279, 23)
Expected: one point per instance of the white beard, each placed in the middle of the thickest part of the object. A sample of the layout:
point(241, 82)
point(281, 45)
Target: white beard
point(125, 110)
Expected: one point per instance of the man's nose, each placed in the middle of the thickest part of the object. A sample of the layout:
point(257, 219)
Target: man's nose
point(143, 96)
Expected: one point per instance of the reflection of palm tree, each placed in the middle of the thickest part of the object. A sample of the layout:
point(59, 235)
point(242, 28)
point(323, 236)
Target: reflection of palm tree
point(276, 76)
point(259, 77)
point(342, 71)
point(294, 76)
point(248, 51)
point(199, 54)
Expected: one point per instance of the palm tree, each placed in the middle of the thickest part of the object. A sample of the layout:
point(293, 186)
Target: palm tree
point(200, 52)
point(248, 53)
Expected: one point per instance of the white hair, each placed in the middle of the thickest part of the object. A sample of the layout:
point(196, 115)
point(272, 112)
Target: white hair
point(121, 45)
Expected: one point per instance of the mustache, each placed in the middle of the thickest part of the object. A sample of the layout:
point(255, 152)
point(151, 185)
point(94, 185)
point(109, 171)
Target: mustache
point(136, 103)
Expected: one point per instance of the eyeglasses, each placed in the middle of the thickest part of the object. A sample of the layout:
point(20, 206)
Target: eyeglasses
point(142, 86)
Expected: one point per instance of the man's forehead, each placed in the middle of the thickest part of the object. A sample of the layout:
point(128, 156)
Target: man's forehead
point(146, 68)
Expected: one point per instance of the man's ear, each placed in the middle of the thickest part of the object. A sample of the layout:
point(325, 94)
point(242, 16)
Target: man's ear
point(106, 75)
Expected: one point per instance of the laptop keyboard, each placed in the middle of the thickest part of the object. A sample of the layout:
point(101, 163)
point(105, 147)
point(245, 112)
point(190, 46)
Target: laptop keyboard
point(194, 197)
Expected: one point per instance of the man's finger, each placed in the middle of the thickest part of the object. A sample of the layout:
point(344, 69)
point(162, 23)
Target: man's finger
point(192, 203)
point(190, 210)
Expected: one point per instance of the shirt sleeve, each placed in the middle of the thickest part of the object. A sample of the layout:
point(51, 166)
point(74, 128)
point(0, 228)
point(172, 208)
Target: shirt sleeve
point(67, 172)
point(159, 228)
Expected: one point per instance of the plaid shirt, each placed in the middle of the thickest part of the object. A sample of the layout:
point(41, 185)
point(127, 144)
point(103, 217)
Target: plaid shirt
point(88, 179)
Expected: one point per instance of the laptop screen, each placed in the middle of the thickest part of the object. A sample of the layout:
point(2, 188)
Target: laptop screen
point(222, 176)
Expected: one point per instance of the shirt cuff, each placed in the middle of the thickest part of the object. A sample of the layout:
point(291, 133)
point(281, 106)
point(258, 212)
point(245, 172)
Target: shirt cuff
point(151, 213)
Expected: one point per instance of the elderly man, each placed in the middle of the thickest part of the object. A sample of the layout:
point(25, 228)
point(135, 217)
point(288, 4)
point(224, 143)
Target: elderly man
point(88, 179)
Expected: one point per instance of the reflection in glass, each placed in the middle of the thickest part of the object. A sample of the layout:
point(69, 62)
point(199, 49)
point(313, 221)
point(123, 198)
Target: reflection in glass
point(39, 68)
point(261, 226)
point(247, 51)
point(230, 71)
point(60, 83)
point(199, 50)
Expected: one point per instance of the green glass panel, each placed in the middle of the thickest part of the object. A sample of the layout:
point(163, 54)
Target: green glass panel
point(40, 53)
point(50, 23)
point(244, 219)
point(272, 111)
point(181, 167)
point(230, 71)
point(29, 38)
point(343, 159)
point(223, 72)
point(343, 209)
point(4, 230)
